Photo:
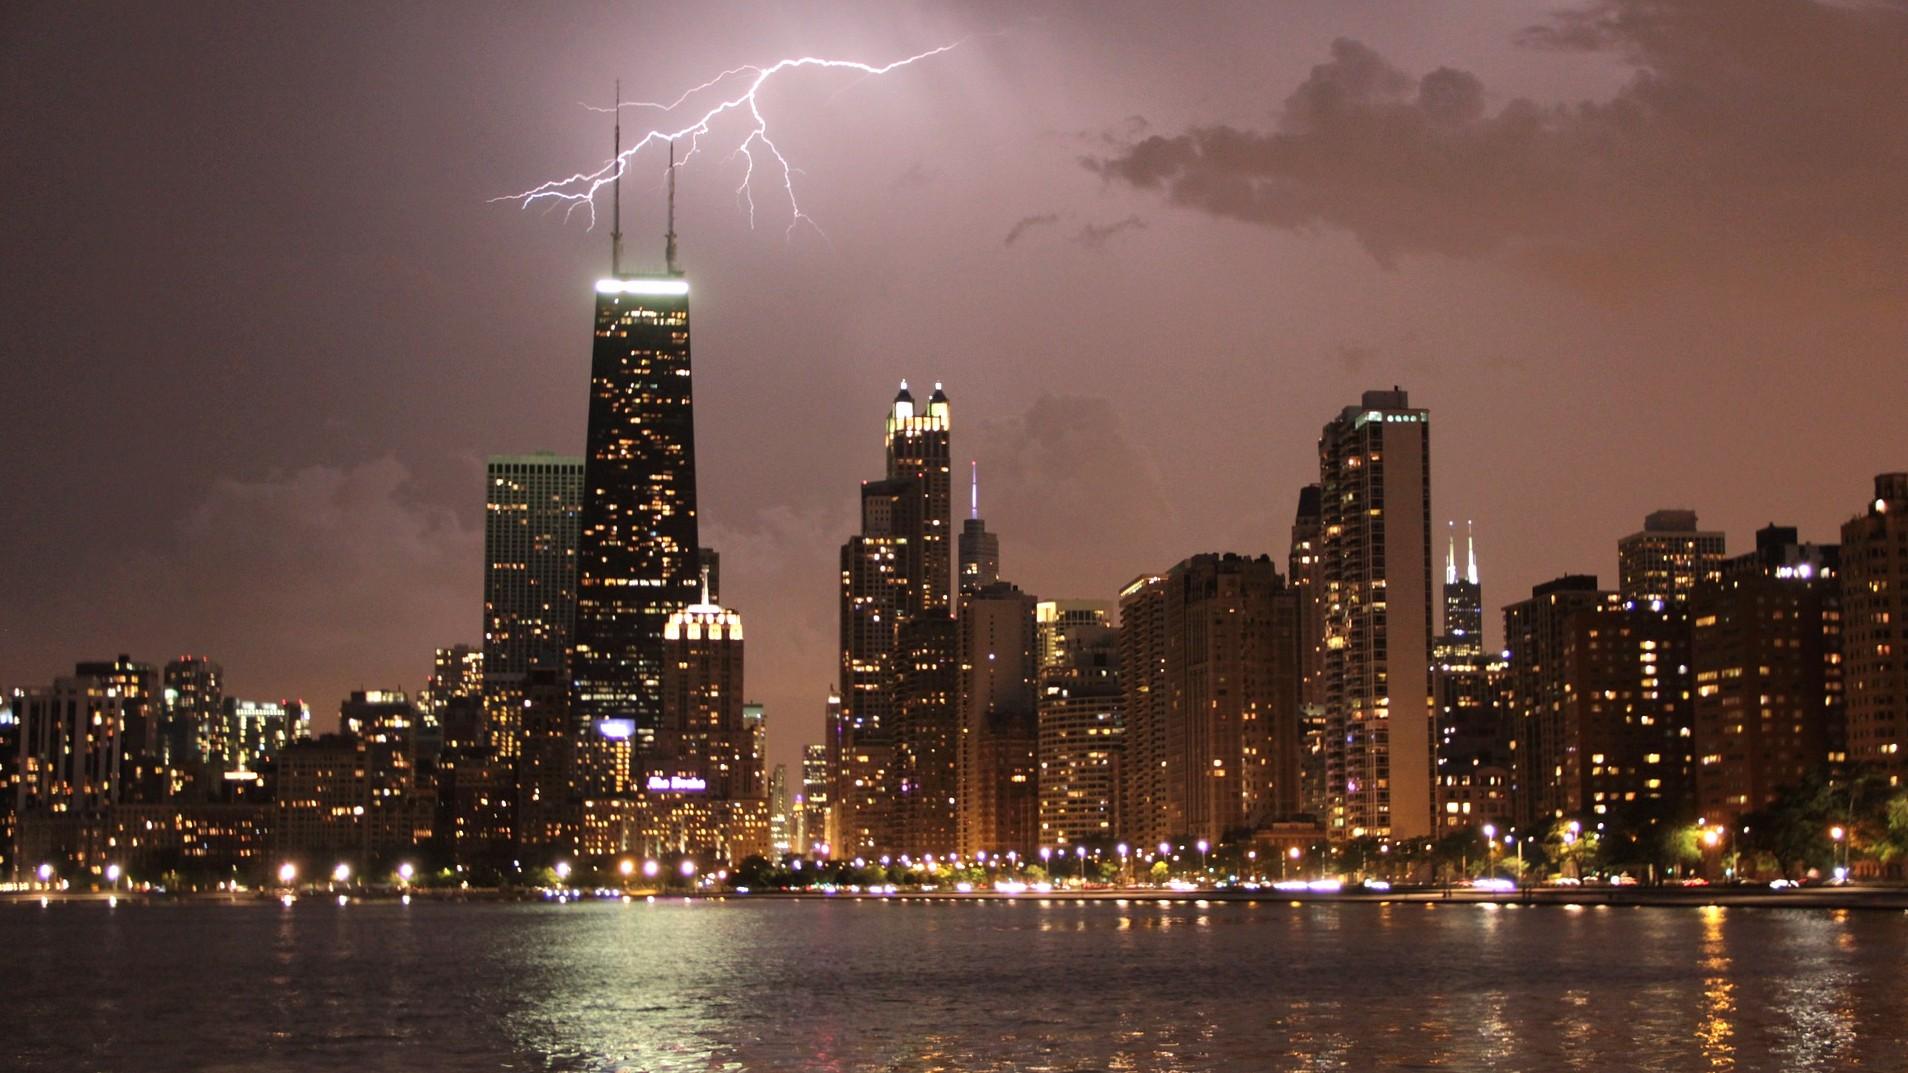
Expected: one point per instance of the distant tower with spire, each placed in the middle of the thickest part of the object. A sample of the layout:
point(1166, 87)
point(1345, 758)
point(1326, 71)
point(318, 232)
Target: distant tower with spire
point(1463, 599)
point(979, 549)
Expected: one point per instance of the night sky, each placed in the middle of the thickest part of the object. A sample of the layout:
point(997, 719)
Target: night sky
point(262, 321)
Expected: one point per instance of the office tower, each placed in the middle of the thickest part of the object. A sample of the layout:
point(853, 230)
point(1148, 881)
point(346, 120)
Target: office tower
point(704, 745)
point(918, 447)
point(998, 769)
point(1375, 574)
point(1303, 567)
point(1668, 559)
point(533, 506)
point(1536, 698)
point(136, 692)
point(1766, 653)
point(755, 727)
point(1209, 666)
point(979, 549)
point(9, 784)
point(1473, 749)
point(1055, 621)
point(193, 738)
point(1080, 710)
point(637, 549)
point(894, 760)
point(1875, 629)
point(813, 812)
point(453, 694)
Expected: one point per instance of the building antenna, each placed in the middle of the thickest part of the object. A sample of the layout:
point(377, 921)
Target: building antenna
point(1470, 549)
point(1450, 553)
point(973, 509)
point(616, 212)
point(669, 238)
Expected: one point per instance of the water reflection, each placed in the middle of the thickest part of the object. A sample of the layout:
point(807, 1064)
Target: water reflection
point(1147, 987)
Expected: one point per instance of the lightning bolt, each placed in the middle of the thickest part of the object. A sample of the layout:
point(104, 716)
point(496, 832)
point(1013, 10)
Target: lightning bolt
point(578, 191)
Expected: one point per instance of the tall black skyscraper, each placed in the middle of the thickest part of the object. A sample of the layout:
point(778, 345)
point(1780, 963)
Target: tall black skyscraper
point(638, 544)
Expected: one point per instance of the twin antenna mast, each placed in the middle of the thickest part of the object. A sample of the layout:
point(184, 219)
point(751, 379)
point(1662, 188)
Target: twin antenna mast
point(616, 201)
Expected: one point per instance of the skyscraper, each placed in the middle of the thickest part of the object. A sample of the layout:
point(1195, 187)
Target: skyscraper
point(894, 759)
point(1875, 629)
point(1375, 570)
point(637, 547)
point(979, 549)
point(533, 507)
point(1668, 558)
point(1473, 749)
point(193, 738)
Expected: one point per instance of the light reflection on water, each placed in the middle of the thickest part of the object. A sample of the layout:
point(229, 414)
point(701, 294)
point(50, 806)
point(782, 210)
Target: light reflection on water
point(1038, 985)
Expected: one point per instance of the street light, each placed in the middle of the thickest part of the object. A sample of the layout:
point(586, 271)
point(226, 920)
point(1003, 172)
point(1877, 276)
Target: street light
point(1291, 855)
point(112, 875)
point(287, 872)
point(1203, 847)
point(1080, 852)
point(405, 872)
point(1840, 836)
point(650, 869)
point(341, 874)
point(46, 874)
point(688, 868)
point(563, 871)
point(626, 868)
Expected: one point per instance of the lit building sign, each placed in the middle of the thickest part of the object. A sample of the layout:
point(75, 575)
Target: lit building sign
point(676, 784)
point(616, 729)
point(642, 286)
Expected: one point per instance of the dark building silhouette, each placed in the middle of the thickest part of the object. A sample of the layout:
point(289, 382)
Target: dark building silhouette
point(533, 507)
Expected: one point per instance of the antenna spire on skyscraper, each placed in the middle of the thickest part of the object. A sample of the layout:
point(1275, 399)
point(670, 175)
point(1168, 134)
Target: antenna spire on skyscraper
point(973, 508)
point(616, 200)
point(1470, 548)
point(1450, 553)
point(669, 237)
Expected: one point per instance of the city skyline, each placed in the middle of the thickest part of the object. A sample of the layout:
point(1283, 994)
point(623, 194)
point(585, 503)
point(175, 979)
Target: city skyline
point(255, 538)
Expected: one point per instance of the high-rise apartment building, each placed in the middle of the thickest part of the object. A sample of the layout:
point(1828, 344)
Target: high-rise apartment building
point(1875, 629)
point(1766, 654)
point(1536, 698)
point(1668, 559)
point(533, 507)
point(1081, 713)
point(998, 788)
point(1375, 579)
point(1055, 621)
point(193, 738)
point(1304, 568)
point(1209, 667)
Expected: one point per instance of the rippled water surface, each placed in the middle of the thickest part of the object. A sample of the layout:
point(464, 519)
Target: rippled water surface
point(875, 985)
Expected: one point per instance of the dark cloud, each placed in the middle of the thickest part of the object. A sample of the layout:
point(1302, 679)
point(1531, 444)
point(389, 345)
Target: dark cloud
point(1027, 223)
point(1094, 236)
point(1757, 145)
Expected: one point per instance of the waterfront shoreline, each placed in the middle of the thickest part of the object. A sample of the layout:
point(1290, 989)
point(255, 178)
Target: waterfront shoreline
point(1879, 899)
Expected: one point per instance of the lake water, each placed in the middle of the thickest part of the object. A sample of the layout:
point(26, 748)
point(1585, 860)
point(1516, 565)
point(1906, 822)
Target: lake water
point(898, 986)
